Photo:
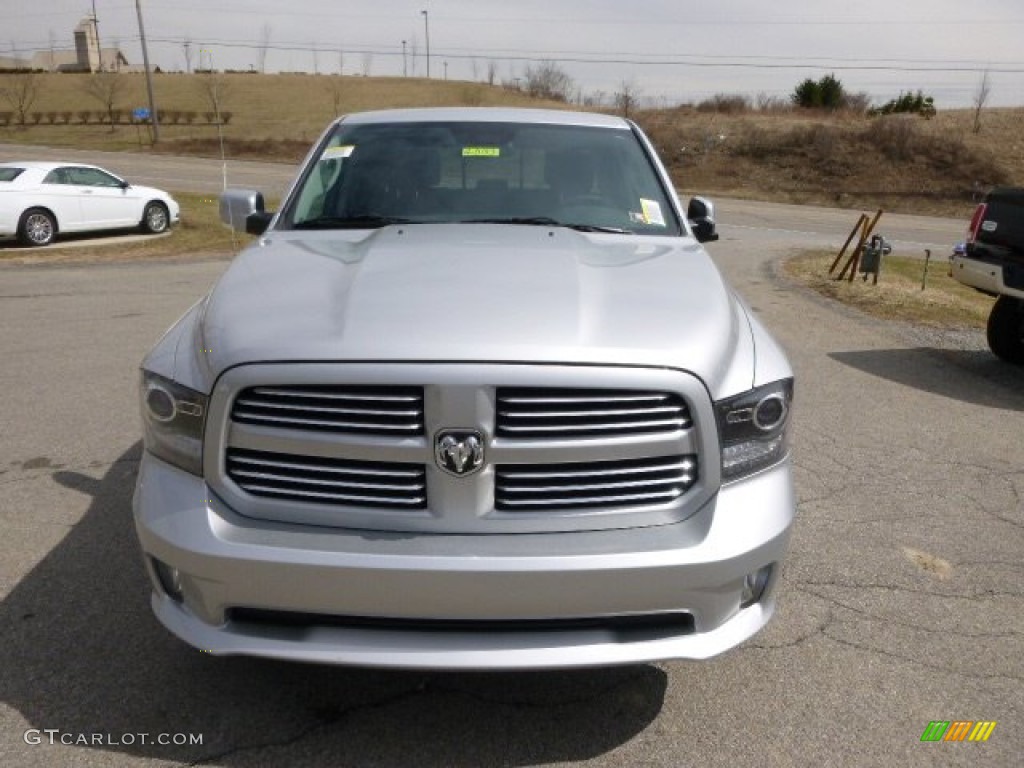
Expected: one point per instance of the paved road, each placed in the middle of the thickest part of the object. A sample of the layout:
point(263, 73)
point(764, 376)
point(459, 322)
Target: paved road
point(902, 600)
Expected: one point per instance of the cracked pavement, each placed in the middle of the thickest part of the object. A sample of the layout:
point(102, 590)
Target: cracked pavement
point(901, 601)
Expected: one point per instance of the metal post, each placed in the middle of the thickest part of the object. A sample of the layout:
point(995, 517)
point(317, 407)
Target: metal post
point(96, 29)
point(149, 75)
point(426, 29)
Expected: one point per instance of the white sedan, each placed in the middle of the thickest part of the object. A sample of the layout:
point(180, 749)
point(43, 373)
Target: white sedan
point(40, 200)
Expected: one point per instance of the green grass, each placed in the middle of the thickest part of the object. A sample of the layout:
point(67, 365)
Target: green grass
point(944, 303)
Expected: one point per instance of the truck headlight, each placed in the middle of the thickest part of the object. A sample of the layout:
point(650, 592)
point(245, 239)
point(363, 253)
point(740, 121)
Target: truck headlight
point(753, 427)
point(173, 417)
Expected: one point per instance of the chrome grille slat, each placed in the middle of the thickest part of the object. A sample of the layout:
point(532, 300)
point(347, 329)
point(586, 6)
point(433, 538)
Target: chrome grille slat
point(337, 481)
point(625, 426)
point(636, 499)
point(560, 471)
point(544, 413)
point(578, 487)
point(245, 402)
point(636, 482)
point(611, 397)
point(324, 394)
point(348, 498)
point(588, 413)
point(311, 467)
point(248, 473)
point(364, 410)
point(341, 426)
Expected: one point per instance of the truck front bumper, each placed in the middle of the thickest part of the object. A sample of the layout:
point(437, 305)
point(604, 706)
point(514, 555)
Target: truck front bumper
point(227, 584)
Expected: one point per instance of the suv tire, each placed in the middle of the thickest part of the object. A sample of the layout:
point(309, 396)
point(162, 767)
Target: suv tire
point(1006, 329)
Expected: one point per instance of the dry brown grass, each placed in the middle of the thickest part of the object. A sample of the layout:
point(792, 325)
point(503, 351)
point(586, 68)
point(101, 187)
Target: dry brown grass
point(900, 163)
point(286, 111)
point(722, 147)
point(945, 303)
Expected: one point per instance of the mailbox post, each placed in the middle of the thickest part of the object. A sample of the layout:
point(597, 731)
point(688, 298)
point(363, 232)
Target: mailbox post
point(871, 257)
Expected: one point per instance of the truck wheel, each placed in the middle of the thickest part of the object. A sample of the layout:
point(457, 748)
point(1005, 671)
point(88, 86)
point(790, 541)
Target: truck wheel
point(1006, 329)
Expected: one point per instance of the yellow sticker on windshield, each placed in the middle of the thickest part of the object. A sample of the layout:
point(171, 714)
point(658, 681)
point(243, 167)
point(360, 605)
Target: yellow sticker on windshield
point(481, 151)
point(343, 151)
point(652, 212)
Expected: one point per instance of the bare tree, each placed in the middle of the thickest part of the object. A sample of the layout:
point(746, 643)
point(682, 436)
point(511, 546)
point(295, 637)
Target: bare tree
point(213, 87)
point(492, 71)
point(105, 87)
point(263, 47)
point(547, 80)
point(20, 91)
point(627, 98)
point(980, 98)
point(335, 87)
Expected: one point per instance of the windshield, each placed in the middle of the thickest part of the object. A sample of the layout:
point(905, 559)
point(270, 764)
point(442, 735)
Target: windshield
point(592, 179)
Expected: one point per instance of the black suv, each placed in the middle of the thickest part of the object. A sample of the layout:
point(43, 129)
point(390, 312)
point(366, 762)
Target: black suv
point(993, 262)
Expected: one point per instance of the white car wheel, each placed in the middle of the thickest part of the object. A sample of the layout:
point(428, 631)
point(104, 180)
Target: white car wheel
point(37, 227)
point(155, 218)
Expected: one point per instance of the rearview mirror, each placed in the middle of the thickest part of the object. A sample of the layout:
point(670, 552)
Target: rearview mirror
point(244, 211)
point(701, 214)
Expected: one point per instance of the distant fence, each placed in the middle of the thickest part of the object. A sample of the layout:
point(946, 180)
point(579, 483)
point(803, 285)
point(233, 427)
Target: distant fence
point(116, 117)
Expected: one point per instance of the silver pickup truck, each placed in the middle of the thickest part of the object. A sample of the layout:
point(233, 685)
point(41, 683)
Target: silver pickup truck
point(477, 397)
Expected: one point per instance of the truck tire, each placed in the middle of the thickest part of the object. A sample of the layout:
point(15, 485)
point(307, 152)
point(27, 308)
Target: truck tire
point(1006, 329)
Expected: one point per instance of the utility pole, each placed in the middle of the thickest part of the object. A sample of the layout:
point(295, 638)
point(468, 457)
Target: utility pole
point(426, 29)
point(96, 30)
point(149, 75)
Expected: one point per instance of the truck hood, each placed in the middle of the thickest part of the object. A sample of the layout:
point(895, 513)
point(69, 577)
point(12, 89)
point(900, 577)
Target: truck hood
point(469, 292)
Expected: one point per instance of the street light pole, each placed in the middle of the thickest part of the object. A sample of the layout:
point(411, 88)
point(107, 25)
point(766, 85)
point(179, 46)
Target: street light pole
point(405, 69)
point(154, 121)
point(426, 29)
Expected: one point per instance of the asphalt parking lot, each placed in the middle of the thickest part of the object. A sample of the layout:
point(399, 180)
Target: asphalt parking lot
point(901, 604)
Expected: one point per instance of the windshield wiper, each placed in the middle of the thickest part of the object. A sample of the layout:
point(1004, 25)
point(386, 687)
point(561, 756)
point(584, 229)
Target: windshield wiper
point(352, 222)
point(536, 221)
point(598, 228)
point(547, 221)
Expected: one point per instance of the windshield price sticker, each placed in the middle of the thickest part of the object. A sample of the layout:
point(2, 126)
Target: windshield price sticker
point(652, 212)
point(481, 152)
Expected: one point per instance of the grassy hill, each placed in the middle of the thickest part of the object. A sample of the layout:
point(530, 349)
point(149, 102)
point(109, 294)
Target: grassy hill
point(900, 163)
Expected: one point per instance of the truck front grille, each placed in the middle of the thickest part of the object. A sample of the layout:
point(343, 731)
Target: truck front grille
point(329, 481)
point(364, 410)
point(632, 482)
point(553, 414)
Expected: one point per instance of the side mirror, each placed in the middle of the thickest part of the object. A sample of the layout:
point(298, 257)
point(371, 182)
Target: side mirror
point(701, 214)
point(244, 211)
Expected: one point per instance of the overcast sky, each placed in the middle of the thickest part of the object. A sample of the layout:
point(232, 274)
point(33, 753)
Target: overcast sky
point(671, 50)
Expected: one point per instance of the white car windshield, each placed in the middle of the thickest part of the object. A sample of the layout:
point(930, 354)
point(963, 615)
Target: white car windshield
point(588, 178)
